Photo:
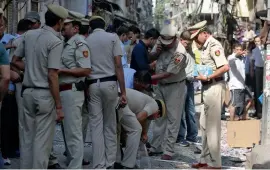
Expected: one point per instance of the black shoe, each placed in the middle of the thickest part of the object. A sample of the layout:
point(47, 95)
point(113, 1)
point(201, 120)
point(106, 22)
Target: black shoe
point(148, 145)
point(55, 166)
point(119, 166)
point(84, 162)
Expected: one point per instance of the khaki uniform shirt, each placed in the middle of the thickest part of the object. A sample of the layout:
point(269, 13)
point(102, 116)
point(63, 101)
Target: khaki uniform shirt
point(76, 54)
point(103, 47)
point(213, 54)
point(138, 102)
point(172, 61)
point(42, 49)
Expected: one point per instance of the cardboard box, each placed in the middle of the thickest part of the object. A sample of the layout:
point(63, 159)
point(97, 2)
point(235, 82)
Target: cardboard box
point(243, 134)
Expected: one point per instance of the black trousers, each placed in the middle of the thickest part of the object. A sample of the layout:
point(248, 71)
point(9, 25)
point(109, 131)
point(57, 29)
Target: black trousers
point(9, 126)
point(258, 88)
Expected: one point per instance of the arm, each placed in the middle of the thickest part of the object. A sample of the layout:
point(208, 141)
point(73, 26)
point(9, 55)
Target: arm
point(120, 74)
point(5, 78)
point(54, 58)
point(17, 63)
point(142, 118)
point(83, 63)
point(54, 86)
point(161, 76)
point(176, 64)
point(5, 71)
point(118, 53)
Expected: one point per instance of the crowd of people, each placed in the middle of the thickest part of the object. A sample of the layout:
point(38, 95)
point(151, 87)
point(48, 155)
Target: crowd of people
point(75, 72)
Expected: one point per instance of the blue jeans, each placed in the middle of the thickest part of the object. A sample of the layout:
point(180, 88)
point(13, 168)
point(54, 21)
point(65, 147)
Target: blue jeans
point(188, 125)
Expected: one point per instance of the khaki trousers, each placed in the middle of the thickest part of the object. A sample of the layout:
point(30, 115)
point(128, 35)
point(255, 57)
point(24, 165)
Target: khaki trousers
point(103, 100)
point(165, 130)
point(38, 123)
point(85, 119)
point(72, 101)
point(128, 120)
point(210, 123)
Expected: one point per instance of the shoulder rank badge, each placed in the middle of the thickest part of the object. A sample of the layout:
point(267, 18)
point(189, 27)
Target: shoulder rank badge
point(85, 54)
point(217, 53)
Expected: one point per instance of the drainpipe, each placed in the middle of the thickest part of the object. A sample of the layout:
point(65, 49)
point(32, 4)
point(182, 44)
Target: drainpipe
point(14, 18)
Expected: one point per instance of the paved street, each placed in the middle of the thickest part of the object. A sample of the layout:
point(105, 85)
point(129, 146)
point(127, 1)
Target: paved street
point(183, 158)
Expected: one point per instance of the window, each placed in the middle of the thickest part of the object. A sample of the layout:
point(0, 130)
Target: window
point(127, 3)
point(34, 5)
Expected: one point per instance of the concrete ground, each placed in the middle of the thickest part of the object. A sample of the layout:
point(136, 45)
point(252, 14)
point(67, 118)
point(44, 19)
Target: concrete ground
point(183, 158)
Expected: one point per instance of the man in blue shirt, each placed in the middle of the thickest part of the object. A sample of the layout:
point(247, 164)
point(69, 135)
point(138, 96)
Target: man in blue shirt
point(122, 32)
point(139, 57)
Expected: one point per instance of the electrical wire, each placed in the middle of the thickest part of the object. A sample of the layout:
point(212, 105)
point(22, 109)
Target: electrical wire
point(22, 7)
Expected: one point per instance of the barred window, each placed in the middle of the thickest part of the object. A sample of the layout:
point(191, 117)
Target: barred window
point(34, 5)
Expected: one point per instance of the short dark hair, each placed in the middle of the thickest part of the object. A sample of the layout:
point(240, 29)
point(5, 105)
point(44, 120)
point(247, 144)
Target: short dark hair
point(185, 35)
point(84, 29)
point(152, 33)
point(143, 77)
point(24, 25)
point(76, 23)
point(51, 19)
point(237, 45)
point(257, 36)
point(134, 29)
point(97, 23)
point(122, 30)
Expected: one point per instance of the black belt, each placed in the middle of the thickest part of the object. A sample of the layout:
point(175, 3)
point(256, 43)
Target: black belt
point(163, 84)
point(111, 78)
point(27, 87)
point(212, 81)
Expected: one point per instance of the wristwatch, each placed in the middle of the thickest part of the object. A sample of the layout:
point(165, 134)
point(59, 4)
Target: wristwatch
point(207, 78)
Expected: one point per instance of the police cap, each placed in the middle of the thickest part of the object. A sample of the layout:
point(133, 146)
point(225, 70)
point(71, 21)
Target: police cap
point(58, 10)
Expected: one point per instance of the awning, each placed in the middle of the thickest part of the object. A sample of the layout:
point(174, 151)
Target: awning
point(106, 5)
point(125, 19)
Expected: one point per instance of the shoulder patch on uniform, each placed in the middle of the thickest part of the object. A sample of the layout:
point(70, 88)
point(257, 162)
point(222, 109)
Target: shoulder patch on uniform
point(78, 43)
point(177, 59)
point(217, 53)
point(85, 54)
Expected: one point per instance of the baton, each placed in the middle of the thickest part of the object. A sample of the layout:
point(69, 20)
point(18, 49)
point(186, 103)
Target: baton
point(64, 136)
point(118, 106)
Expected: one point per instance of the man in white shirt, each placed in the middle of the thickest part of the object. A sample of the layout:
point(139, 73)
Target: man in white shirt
point(249, 34)
point(237, 82)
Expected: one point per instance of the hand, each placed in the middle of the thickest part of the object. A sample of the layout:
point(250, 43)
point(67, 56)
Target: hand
point(123, 100)
point(153, 65)
point(144, 138)
point(9, 45)
point(201, 77)
point(14, 76)
point(60, 115)
point(159, 48)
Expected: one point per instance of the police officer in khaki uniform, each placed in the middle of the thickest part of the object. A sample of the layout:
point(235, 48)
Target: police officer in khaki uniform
point(23, 26)
point(75, 67)
point(84, 32)
point(213, 92)
point(42, 49)
point(106, 52)
point(170, 73)
point(133, 118)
